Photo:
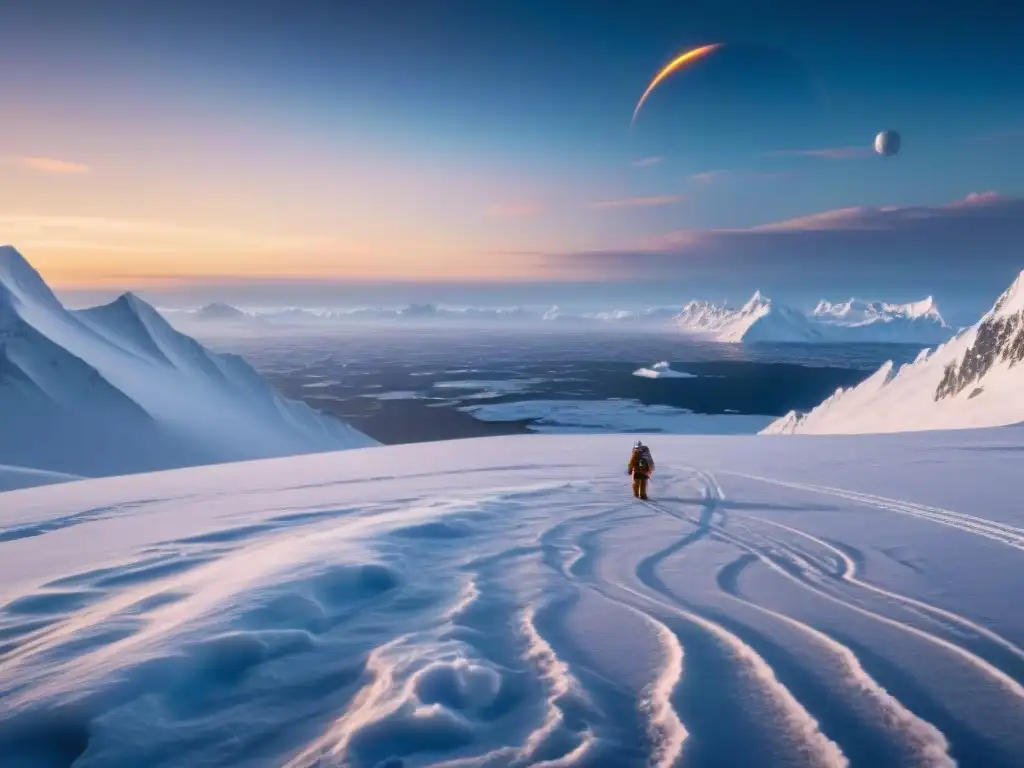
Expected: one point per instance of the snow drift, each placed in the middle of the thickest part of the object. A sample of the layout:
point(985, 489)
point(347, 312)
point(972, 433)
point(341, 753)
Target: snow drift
point(974, 380)
point(115, 389)
point(776, 604)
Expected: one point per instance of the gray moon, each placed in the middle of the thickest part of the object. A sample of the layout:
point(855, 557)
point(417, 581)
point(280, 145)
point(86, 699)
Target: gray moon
point(887, 143)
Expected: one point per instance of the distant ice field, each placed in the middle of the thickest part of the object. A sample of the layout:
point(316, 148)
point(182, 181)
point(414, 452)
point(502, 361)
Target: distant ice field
point(411, 384)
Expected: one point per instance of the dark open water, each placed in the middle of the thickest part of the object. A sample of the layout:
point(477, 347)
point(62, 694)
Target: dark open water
point(385, 381)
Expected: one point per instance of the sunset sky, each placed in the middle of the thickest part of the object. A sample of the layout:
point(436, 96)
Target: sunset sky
point(220, 147)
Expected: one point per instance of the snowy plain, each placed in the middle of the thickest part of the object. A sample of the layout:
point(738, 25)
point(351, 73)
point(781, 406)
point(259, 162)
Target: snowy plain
point(781, 601)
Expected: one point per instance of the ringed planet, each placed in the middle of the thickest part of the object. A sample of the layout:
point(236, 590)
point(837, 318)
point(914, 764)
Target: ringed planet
point(681, 61)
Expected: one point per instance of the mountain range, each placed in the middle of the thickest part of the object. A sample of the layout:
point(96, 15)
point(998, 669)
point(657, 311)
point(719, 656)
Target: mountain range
point(115, 389)
point(973, 380)
point(760, 320)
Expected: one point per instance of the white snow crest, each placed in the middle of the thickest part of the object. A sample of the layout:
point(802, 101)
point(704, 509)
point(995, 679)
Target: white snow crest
point(973, 380)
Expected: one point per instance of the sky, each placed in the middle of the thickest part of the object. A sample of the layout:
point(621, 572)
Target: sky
point(334, 151)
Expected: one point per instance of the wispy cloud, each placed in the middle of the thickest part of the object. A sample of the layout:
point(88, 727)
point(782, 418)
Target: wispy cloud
point(647, 161)
point(716, 176)
point(49, 165)
point(637, 202)
point(864, 218)
point(826, 153)
point(711, 177)
point(972, 237)
point(513, 210)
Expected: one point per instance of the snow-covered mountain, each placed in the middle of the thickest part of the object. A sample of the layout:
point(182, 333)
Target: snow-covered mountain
point(115, 389)
point(221, 312)
point(974, 380)
point(763, 320)
point(759, 320)
point(918, 322)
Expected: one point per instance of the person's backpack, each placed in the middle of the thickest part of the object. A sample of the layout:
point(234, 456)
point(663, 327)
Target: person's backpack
point(643, 465)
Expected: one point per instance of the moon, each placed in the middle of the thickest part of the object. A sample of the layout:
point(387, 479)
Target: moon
point(679, 62)
point(887, 143)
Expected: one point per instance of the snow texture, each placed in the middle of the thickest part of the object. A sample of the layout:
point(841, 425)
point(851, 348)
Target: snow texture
point(973, 380)
point(115, 389)
point(817, 602)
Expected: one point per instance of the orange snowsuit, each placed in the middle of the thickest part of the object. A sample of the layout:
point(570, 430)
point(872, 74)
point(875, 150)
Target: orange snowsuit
point(640, 477)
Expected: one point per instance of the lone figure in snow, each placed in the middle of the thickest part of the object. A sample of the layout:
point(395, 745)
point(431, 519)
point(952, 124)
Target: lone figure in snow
point(640, 467)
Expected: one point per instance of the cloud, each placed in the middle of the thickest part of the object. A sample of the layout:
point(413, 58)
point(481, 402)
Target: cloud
point(826, 153)
point(50, 165)
point(711, 177)
point(971, 239)
point(637, 202)
point(647, 161)
point(513, 210)
point(716, 176)
point(890, 218)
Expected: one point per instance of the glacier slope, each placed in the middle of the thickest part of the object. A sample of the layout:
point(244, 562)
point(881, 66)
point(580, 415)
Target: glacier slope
point(819, 602)
point(116, 389)
point(973, 380)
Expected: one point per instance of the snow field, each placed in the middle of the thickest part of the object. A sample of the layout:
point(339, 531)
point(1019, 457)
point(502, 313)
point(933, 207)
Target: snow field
point(381, 608)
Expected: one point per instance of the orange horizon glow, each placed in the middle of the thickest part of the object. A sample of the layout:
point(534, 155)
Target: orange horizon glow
point(144, 268)
point(689, 57)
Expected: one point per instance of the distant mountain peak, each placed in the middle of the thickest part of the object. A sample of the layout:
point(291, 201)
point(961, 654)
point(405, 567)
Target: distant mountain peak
point(972, 380)
point(218, 310)
point(756, 301)
point(1012, 299)
point(116, 389)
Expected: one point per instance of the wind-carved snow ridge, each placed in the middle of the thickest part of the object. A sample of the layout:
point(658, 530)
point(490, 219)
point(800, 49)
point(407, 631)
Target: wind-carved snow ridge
point(514, 606)
point(668, 734)
point(115, 389)
point(973, 380)
point(804, 728)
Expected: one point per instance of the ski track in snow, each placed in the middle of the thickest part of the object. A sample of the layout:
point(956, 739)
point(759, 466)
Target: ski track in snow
point(1001, 532)
point(456, 628)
